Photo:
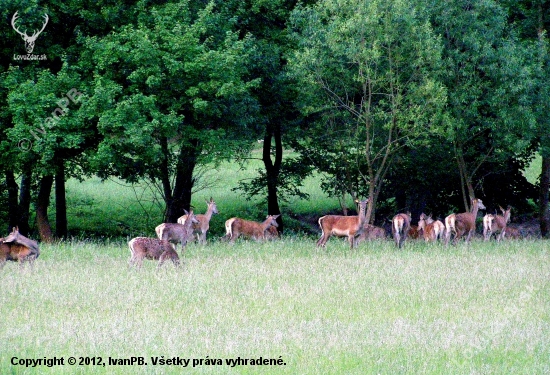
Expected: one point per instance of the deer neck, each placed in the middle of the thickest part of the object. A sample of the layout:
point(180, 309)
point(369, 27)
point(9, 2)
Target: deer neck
point(209, 212)
point(475, 208)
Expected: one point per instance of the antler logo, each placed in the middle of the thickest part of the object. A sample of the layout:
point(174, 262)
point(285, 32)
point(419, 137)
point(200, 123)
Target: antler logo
point(29, 40)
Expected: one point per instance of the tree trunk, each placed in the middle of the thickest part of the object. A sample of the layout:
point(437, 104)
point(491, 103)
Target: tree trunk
point(25, 202)
point(183, 189)
point(42, 203)
point(273, 169)
point(61, 229)
point(13, 205)
point(544, 216)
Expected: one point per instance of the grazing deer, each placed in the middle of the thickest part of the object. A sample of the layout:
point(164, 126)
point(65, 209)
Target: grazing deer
point(512, 232)
point(496, 223)
point(401, 224)
point(343, 226)
point(257, 231)
point(464, 222)
point(204, 221)
point(152, 248)
point(371, 232)
point(432, 230)
point(177, 232)
point(16, 247)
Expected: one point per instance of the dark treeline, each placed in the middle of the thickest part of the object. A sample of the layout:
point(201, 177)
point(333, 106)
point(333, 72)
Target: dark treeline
point(415, 105)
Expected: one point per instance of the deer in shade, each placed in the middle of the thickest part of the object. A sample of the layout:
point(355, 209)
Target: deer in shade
point(236, 227)
point(152, 248)
point(18, 248)
point(203, 225)
point(431, 230)
point(181, 233)
point(463, 223)
point(371, 232)
point(401, 224)
point(343, 226)
point(496, 224)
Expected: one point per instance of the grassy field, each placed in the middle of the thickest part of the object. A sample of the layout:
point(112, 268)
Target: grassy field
point(478, 309)
point(425, 309)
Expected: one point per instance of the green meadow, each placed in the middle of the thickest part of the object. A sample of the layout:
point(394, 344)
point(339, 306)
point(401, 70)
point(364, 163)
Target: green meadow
point(482, 308)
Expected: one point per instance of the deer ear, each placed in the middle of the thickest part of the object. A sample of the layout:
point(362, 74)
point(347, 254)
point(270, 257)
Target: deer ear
point(187, 213)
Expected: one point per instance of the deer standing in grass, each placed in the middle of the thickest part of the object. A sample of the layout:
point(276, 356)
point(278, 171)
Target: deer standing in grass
point(496, 223)
point(236, 227)
point(204, 221)
point(18, 248)
point(462, 223)
point(401, 223)
point(181, 233)
point(152, 248)
point(343, 226)
point(432, 230)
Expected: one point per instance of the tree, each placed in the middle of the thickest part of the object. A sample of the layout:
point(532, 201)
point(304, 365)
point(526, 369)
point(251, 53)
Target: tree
point(486, 72)
point(370, 76)
point(151, 132)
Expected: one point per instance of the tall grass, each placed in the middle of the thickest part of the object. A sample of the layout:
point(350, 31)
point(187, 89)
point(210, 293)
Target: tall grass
point(478, 309)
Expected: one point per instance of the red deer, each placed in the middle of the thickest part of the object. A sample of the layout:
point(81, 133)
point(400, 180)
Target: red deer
point(152, 248)
point(414, 232)
point(181, 233)
point(251, 229)
point(462, 223)
point(271, 233)
point(401, 224)
point(343, 226)
point(496, 223)
point(16, 247)
point(512, 232)
point(371, 232)
point(432, 230)
point(204, 221)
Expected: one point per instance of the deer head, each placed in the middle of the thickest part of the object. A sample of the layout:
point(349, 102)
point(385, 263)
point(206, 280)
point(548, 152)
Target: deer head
point(29, 40)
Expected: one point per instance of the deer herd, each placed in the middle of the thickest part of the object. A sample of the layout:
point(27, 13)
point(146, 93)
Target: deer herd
point(16, 247)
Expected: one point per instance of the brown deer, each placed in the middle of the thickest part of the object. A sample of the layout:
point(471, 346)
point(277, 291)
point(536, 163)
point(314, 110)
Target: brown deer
point(18, 248)
point(152, 248)
point(401, 224)
point(343, 226)
point(181, 233)
point(236, 227)
point(512, 232)
point(462, 223)
point(431, 230)
point(370, 232)
point(496, 223)
point(414, 232)
point(204, 221)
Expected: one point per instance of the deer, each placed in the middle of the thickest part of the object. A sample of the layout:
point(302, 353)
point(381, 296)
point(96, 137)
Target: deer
point(343, 226)
point(152, 248)
point(18, 248)
point(496, 223)
point(29, 40)
point(371, 232)
point(181, 233)
point(414, 232)
point(401, 224)
point(462, 223)
point(432, 230)
point(236, 227)
point(202, 227)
